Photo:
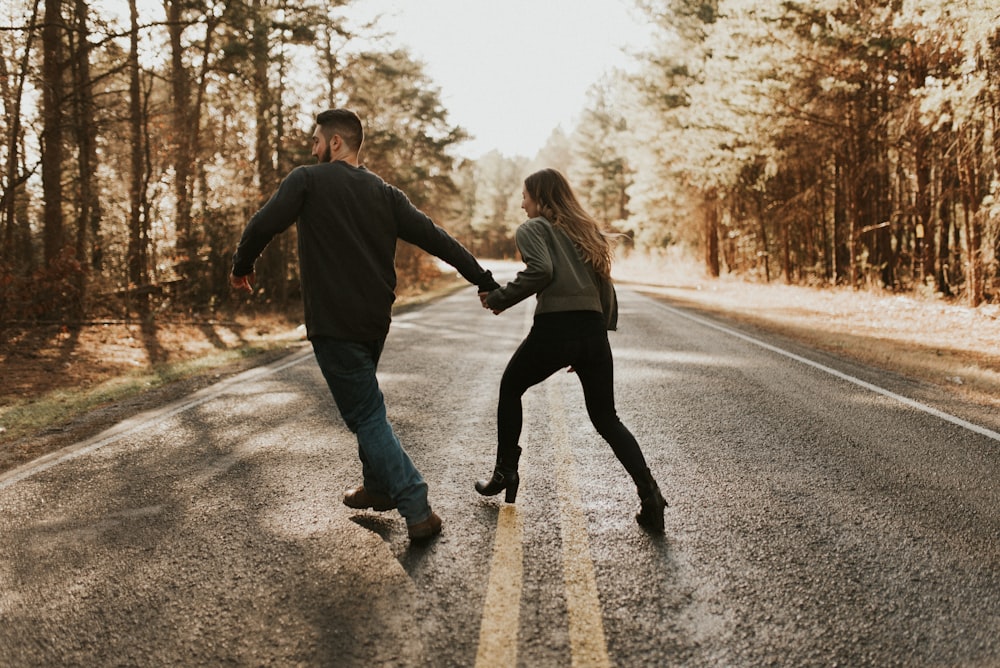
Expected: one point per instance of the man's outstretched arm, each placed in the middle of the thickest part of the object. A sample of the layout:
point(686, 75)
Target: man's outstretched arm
point(276, 216)
point(418, 229)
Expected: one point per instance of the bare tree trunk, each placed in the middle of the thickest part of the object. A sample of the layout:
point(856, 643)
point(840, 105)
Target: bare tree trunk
point(764, 245)
point(969, 174)
point(180, 88)
point(137, 238)
point(843, 251)
point(53, 98)
point(828, 250)
point(993, 94)
point(764, 250)
point(946, 203)
point(13, 101)
point(88, 240)
point(925, 231)
point(282, 289)
point(264, 151)
point(711, 216)
point(942, 271)
point(186, 115)
point(786, 248)
point(12, 104)
point(273, 258)
point(976, 276)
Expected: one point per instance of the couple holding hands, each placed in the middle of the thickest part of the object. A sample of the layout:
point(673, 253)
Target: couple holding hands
point(349, 221)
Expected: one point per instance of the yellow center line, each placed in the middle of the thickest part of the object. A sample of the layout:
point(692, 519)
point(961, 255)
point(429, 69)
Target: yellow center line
point(586, 626)
point(502, 608)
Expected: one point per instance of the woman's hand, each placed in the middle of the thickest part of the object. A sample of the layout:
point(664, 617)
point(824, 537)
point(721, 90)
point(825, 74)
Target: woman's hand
point(482, 300)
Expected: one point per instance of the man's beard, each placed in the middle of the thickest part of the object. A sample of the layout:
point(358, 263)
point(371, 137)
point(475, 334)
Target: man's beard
point(325, 156)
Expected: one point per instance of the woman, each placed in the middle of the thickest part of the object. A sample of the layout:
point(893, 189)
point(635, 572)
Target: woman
point(568, 267)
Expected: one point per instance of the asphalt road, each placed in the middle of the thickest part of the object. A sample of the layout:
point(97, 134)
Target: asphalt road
point(820, 514)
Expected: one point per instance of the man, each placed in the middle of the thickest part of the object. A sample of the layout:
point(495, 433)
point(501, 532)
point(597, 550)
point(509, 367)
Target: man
point(348, 223)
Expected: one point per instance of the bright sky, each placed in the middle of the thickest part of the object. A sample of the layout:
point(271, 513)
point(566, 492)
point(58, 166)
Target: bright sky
point(511, 71)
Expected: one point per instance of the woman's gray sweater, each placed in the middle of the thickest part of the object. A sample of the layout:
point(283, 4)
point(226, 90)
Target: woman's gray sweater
point(556, 272)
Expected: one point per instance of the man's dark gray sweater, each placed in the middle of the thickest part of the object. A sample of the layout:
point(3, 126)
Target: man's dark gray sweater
point(348, 222)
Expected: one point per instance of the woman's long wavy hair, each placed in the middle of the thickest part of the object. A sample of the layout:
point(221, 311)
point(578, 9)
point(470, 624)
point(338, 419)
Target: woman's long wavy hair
point(556, 202)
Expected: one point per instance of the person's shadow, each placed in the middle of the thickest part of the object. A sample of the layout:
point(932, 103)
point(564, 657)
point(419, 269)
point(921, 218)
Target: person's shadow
point(376, 524)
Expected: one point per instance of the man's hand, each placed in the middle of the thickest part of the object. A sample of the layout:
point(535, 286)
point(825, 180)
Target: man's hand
point(244, 283)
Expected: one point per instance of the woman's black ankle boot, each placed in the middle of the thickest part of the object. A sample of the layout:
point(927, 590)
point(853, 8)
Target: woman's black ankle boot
point(650, 513)
point(504, 477)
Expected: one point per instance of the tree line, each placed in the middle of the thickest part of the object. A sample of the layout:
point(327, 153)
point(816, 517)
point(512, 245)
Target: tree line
point(830, 142)
point(848, 142)
point(845, 142)
point(137, 146)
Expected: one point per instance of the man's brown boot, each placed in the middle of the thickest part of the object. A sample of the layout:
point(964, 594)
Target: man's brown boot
point(426, 529)
point(360, 498)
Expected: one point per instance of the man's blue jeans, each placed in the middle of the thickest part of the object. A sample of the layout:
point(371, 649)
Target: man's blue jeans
point(349, 368)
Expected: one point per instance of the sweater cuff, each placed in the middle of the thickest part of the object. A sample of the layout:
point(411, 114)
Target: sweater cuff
point(241, 270)
point(487, 283)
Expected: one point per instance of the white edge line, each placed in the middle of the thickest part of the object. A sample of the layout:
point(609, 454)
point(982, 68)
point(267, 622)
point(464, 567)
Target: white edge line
point(982, 431)
point(144, 420)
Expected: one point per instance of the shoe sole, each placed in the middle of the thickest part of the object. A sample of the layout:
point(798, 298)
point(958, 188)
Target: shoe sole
point(381, 508)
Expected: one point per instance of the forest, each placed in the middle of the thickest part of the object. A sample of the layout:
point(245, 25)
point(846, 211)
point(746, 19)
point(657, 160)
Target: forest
point(829, 142)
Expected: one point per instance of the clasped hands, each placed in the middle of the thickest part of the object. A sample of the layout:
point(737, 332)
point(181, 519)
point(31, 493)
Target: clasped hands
point(482, 300)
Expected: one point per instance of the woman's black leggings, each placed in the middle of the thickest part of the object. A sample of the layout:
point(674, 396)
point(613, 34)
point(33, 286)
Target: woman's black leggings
point(539, 357)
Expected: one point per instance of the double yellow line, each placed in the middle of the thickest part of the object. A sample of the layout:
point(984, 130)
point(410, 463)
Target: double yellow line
point(501, 612)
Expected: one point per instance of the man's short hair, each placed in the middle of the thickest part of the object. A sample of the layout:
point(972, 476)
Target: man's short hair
point(345, 123)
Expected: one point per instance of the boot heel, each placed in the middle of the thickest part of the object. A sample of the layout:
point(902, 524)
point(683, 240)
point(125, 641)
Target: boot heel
point(501, 480)
point(512, 489)
point(651, 508)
